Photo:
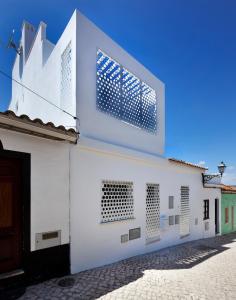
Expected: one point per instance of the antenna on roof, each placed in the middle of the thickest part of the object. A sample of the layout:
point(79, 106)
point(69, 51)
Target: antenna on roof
point(11, 43)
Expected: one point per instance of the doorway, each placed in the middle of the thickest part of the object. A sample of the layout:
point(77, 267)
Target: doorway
point(232, 217)
point(14, 210)
point(217, 229)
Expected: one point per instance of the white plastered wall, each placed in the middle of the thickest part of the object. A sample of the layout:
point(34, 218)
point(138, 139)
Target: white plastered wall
point(41, 73)
point(96, 124)
point(94, 244)
point(49, 182)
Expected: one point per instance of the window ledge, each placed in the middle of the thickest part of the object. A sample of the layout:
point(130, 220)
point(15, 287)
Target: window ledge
point(152, 240)
point(184, 236)
point(117, 221)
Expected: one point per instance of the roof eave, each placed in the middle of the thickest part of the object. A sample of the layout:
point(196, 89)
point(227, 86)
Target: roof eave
point(34, 129)
point(180, 162)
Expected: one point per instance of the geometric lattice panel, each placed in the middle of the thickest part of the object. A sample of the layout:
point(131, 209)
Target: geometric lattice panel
point(124, 96)
point(149, 107)
point(152, 212)
point(184, 211)
point(108, 85)
point(131, 98)
point(117, 201)
point(66, 75)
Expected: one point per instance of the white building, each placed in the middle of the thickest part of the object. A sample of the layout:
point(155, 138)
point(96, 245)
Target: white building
point(34, 180)
point(125, 197)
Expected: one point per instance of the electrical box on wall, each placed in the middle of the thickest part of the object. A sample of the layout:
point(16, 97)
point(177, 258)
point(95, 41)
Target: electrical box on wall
point(47, 239)
point(134, 233)
point(164, 222)
point(124, 238)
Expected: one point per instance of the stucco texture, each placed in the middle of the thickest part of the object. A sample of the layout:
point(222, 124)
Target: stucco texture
point(228, 201)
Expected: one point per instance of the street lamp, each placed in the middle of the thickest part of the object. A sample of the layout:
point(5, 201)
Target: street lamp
point(221, 168)
point(208, 177)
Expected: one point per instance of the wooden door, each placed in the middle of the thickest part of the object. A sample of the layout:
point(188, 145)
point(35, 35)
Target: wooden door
point(10, 215)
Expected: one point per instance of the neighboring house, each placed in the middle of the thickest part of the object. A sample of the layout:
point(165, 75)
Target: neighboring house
point(228, 209)
point(34, 197)
point(125, 198)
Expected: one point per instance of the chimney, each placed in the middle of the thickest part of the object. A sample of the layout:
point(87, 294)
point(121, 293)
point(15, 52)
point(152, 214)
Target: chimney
point(28, 35)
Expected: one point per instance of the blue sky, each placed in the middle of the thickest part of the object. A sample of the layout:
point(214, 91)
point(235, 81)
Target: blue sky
point(189, 45)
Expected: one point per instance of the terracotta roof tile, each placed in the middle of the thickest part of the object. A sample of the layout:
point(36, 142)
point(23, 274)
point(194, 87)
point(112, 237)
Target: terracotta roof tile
point(179, 161)
point(228, 188)
point(39, 123)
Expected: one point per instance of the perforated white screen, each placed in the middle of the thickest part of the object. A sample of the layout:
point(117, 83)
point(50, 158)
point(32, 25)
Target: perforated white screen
point(117, 201)
point(152, 212)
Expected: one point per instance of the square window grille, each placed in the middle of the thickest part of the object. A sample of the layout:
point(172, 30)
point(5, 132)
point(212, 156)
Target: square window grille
point(117, 201)
point(66, 76)
point(152, 212)
point(171, 202)
point(124, 96)
point(184, 211)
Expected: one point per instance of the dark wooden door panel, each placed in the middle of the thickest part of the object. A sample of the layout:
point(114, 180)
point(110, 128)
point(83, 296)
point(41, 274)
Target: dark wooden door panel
point(6, 209)
point(10, 215)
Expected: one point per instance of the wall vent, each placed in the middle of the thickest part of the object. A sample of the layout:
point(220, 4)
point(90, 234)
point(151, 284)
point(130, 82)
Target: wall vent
point(134, 233)
point(124, 238)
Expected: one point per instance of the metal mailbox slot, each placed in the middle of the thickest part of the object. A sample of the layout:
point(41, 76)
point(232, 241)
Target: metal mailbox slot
point(47, 239)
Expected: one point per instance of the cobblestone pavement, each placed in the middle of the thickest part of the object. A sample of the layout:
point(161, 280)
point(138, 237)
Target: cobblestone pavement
point(204, 269)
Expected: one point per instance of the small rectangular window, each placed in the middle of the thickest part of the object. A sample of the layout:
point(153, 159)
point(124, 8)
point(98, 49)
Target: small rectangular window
point(152, 212)
point(117, 201)
point(171, 202)
point(206, 210)
point(226, 215)
point(185, 212)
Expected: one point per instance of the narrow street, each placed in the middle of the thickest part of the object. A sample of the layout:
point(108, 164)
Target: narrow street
point(205, 269)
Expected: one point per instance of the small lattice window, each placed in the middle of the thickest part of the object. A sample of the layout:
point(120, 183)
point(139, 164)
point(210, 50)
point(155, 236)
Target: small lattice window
point(117, 201)
point(66, 76)
point(124, 96)
point(184, 212)
point(206, 209)
point(152, 212)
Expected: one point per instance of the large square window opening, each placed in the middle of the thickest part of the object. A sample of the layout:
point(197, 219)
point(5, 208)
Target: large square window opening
point(117, 201)
point(124, 96)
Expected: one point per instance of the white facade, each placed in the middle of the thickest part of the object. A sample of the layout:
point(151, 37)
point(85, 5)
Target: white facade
point(94, 243)
point(108, 149)
point(49, 186)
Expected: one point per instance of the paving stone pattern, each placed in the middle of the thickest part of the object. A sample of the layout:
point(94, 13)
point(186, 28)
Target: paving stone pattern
point(204, 269)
